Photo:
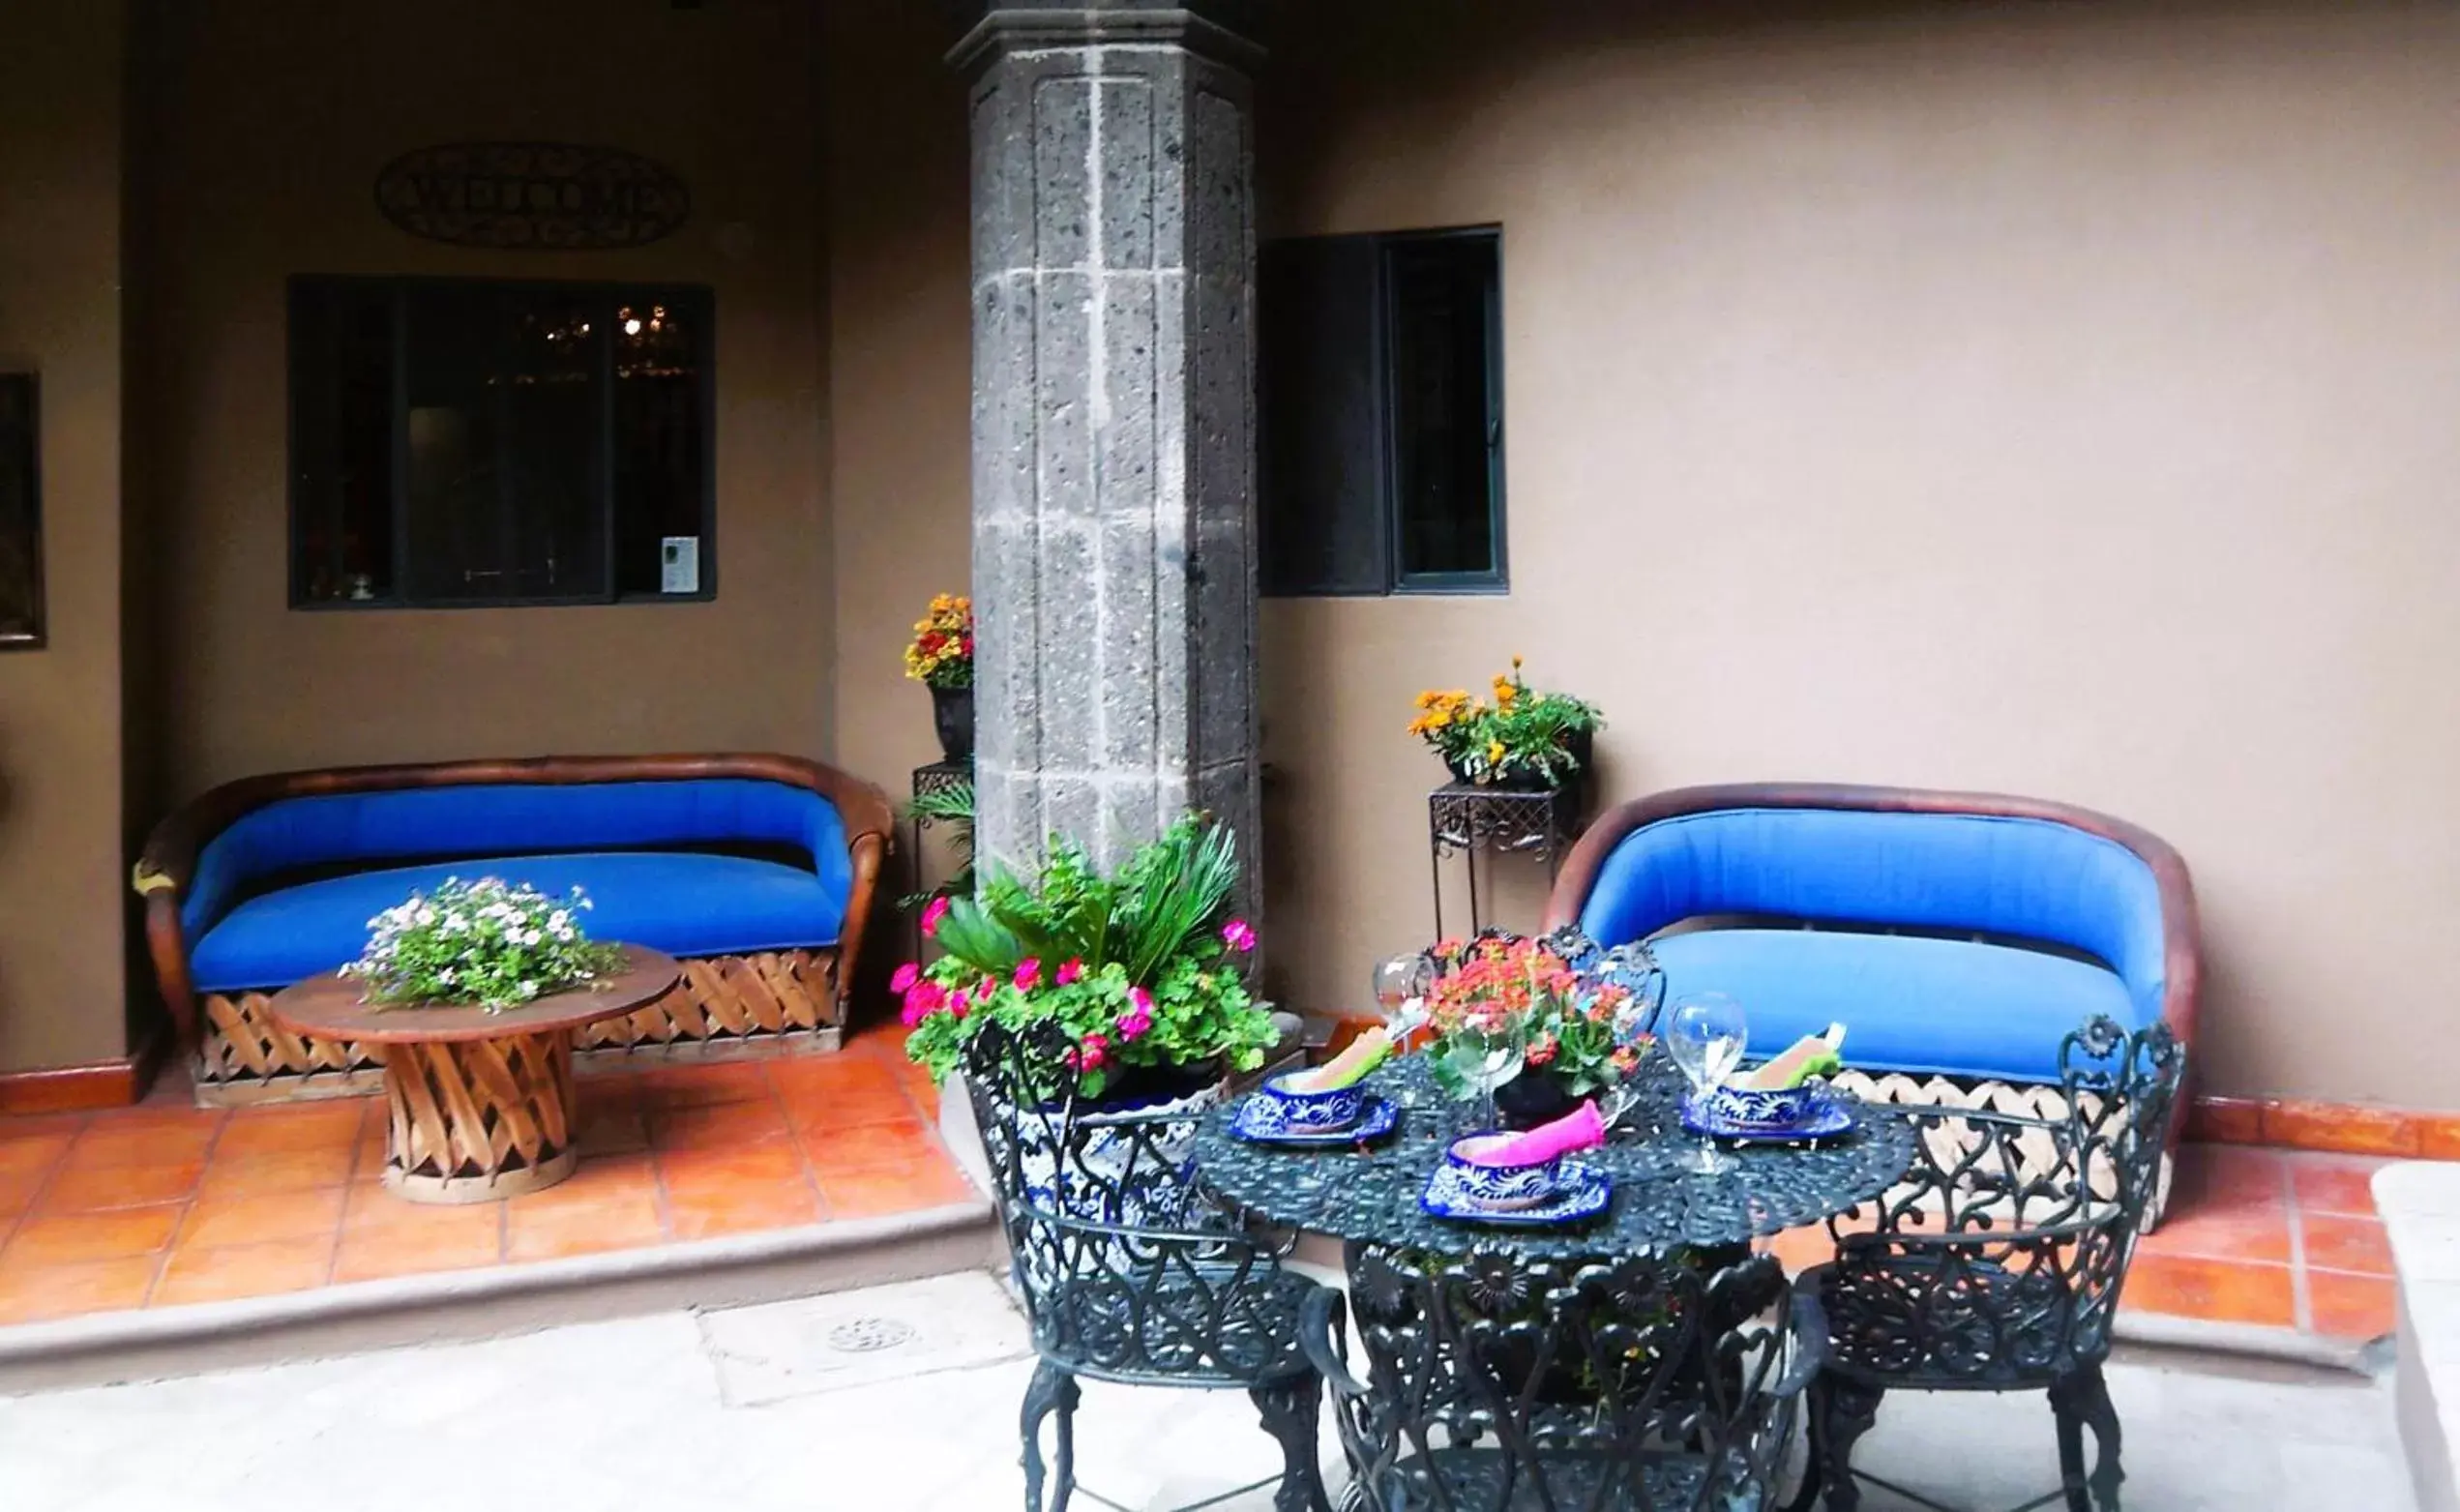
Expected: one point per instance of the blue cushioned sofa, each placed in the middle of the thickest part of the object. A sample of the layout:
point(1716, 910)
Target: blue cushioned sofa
point(755, 870)
point(1959, 936)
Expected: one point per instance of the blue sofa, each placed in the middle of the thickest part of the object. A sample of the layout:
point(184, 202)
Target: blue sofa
point(1956, 936)
point(757, 871)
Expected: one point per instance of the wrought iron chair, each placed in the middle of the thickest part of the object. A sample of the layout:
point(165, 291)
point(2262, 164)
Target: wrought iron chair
point(1497, 1382)
point(1997, 1265)
point(1129, 1272)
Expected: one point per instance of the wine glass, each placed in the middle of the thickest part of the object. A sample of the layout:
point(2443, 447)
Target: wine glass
point(1485, 1051)
point(1706, 1035)
point(1401, 991)
point(1629, 1028)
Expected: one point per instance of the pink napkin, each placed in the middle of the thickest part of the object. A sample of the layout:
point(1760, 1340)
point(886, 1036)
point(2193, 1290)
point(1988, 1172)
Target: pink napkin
point(1583, 1128)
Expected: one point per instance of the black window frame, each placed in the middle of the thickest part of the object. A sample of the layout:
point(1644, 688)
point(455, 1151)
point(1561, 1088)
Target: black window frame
point(1387, 575)
point(699, 298)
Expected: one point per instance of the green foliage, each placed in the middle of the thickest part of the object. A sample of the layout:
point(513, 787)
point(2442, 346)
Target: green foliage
point(953, 808)
point(1141, 968)
point(485, 942)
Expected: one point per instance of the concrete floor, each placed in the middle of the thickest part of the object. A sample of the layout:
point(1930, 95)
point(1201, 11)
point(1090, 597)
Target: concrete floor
point(784, 1407)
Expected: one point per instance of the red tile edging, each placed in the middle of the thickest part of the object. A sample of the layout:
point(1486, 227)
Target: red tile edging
point(2339, 1128)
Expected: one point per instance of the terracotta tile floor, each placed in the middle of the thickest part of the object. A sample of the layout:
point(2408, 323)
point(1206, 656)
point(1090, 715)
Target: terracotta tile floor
point(166, 1203)
point(2278, 1239)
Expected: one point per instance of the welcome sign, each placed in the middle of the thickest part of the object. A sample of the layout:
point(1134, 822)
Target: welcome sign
point(551, 197)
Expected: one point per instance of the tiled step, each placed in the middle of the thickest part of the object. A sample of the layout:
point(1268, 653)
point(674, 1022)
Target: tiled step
point(2420, 1203)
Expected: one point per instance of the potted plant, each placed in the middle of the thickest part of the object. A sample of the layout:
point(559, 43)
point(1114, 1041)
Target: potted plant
point(1524, 739)
point(1144, 976)
point(942, 657)
point(1515, 1018)
point(488, 943)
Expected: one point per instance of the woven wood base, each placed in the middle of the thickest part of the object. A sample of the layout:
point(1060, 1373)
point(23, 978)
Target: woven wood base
point(777, 1002)
point(473, 1120)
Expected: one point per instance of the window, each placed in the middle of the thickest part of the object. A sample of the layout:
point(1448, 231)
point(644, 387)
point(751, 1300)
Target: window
point(1380, 371)
point(465, 442)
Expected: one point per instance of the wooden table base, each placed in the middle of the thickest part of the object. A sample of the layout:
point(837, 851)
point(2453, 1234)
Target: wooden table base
point(473, 1120)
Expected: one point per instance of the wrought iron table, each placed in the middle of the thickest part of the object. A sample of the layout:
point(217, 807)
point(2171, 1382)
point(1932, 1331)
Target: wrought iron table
point(1370, 1196)
point(1538, 1346)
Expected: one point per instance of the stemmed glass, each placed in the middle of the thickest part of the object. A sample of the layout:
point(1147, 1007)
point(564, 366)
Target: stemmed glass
point(1401, 991)
point(1706, 1035)
point(1486, 1051)
point(1401, 984)
point(1629, 1028)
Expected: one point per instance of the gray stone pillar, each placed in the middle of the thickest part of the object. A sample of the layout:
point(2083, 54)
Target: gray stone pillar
point(1113, 427)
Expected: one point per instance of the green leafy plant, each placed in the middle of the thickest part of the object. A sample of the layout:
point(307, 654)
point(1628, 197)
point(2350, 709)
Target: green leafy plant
point(486, 942)
point(1144, 969)
point(951, 807)
point(1523, 733)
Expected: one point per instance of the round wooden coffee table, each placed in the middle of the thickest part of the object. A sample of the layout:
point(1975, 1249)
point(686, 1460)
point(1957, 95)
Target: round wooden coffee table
point(481, 1103)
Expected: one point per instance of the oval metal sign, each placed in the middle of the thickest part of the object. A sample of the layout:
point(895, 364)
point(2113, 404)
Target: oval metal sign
point(549, 196)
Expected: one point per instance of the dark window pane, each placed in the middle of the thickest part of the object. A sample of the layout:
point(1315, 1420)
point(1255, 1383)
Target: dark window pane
point(661, 464)
point(341, 423)
point(464, 442)
point(1444, 418)
point(552, 498)
point(1321, 515)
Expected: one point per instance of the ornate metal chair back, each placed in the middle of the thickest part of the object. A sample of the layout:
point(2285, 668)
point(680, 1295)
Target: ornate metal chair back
point(1128, 1270)
point(1495, 1380)
point(1998, 1260)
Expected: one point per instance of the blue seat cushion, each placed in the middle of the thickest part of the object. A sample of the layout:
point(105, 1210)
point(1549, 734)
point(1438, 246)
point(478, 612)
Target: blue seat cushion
point(1910, 1004)
point(685, 904)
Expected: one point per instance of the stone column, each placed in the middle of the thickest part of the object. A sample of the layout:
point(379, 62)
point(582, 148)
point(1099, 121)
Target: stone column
point(1113, 426)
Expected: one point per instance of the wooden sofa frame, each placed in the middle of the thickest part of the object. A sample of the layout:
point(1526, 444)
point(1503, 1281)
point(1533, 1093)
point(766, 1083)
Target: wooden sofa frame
point(783, 1001)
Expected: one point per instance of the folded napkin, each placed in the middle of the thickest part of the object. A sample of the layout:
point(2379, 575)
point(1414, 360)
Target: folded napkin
point(1583, 1128)
point(1365, 1052)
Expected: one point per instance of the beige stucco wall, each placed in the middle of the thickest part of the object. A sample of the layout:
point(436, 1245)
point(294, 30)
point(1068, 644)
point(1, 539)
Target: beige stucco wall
point(2049, 398)
point(61, 882)
point(267, 127)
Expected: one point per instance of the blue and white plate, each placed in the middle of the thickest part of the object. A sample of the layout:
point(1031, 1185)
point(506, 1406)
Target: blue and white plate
point(1826, 1120)
point(1584, 1195)
point(1253, 1122)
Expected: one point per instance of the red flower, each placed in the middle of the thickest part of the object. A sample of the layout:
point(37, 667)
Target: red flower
point(906, 976)
point(1070, 970)
point(1028, 974)
point(931, 916)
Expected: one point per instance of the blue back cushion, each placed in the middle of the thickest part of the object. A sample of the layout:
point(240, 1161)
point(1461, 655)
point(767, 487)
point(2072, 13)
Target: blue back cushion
point(2027, 878)
point(381, 828)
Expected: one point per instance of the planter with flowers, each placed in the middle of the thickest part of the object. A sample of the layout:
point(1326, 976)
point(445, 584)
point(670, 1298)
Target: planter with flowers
point(1144, 973)
point(1516, 1019)
point(942, 657)
point(489, 943)
point(1524, 739)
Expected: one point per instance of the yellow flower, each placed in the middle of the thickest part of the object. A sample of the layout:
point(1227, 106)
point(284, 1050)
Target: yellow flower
point(1494, 751)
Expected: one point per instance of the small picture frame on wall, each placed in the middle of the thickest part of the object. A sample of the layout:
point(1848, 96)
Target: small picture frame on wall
point(20, 513)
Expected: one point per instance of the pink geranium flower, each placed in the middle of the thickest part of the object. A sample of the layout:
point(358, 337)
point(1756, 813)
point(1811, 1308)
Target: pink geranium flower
point(1141, 999)
point(1239, 933)
point(1070, 970)
point(931, 916)
point(1095, 1051)
point(1132, 1023)
point(906, 976)
point(1028, 974)
point(961, 1002)
point(922, 1000)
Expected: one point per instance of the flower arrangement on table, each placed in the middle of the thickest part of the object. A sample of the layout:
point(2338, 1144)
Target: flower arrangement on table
point(1524, 735)
point(1503, 1009)
point(488, 943)
point(941, 654)
point(1143, 970)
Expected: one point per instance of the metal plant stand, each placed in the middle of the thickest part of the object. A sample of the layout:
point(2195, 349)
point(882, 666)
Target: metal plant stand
point(1468, 820)
point(938, 777)
point(1996, 1266)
